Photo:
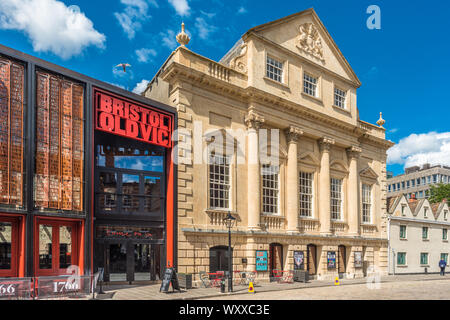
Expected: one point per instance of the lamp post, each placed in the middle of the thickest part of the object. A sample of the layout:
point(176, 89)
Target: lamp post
point(229, 222)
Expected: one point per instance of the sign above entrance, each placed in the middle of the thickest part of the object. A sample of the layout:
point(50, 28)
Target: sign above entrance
point(131, 119)
point(127, 232)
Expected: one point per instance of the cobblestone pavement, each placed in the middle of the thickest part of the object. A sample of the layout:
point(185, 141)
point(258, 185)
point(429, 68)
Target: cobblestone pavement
point(392, 287)
point(403, 290)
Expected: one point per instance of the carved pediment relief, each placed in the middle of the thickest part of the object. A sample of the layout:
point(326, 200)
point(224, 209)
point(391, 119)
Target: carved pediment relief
point(239, 62)
point(309, 41)
point(368, 173)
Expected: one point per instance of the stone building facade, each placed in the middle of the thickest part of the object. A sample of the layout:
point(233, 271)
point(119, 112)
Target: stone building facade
point(287, 75)
point(418, 235)
point(417, 181)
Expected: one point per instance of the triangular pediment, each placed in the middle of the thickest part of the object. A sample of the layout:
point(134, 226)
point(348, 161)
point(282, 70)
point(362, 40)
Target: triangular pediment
point(304, 34)
point(338, 165)
point(368, 173)
point(309, 158)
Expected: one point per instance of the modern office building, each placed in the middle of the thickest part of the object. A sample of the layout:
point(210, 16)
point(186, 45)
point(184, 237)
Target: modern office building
point(324, 202)
point(86, 175)
point(416, 181)
point(418, 235)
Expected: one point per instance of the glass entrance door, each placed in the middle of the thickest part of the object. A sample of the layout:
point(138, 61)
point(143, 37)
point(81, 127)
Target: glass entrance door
point(130, 261)
point(56, 247)
point(8, 247)
point(117, 258)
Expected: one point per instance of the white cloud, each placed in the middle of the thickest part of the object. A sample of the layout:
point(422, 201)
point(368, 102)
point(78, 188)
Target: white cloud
point(417, 149)
point(242, 10)
point(135, 13)
point(144, 54)
point(141, 86)
point(116, 84)
point(209, 15)
point(393, 130)
point(169, 39)
point(181, 7)
point(204, 29)
point(51, 26)
point(120, 74)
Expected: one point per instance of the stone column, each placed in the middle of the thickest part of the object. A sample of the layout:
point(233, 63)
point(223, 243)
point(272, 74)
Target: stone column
point(324, 186)
point(353, 191)
point(253, 122)
point(292, 179)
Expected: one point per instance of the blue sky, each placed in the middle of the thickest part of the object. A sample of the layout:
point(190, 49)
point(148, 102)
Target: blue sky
point(403, 67)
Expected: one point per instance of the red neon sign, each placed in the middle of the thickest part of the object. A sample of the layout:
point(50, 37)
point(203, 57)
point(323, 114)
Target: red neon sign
point(131, 119)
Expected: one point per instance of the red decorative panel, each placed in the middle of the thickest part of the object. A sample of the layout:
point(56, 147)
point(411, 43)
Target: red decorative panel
point(63, 129)
point(11, 132)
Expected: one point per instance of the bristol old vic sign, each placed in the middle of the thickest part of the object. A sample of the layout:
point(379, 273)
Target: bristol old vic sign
point(128, 118)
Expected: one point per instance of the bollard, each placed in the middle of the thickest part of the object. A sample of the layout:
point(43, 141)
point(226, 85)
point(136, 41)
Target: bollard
point(222, 285)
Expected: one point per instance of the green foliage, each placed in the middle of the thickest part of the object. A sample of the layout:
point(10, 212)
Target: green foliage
point(439, 192)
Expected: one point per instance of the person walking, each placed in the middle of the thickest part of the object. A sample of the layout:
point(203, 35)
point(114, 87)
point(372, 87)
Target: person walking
point(442, 265)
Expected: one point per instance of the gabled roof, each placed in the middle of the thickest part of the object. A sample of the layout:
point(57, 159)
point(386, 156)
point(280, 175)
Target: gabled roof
point(321, 26)
point(392, 203)
point(415, 205)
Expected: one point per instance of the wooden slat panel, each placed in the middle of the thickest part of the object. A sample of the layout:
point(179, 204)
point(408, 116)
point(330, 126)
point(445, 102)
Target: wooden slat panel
point(42, 141)
point(54, 157)
point(4, 130)
point(77, 127)
point(16, 135)
point(66, 143)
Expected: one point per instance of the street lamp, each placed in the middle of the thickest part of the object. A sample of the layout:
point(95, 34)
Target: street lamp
point(229, 222)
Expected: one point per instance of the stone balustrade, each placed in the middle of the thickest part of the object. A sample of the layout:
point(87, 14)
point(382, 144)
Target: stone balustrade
point(308, 225)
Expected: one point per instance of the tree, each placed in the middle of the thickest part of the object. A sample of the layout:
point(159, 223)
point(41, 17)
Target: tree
point(439, 192)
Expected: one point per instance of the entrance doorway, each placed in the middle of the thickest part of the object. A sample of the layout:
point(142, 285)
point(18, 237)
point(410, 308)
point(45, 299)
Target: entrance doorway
point(275, 257)
point(128, 261)
point(342, 263)
point(56, 246)
point(311, 259)
point(218, 258)
point(9, 246)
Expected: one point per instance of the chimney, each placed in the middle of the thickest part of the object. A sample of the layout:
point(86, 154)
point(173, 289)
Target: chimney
point(413, 198)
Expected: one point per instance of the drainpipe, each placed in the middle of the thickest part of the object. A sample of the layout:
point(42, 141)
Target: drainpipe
point(389, 241)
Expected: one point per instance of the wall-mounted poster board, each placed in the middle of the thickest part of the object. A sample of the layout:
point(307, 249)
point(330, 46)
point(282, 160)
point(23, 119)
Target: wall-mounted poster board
point(261, 260)
point(358, 259)
point(299, 260)
point(331, 259)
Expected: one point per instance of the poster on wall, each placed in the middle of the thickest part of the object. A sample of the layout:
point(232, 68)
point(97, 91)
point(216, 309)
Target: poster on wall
point(261, 260)
point(358, 259)
point(299, 260)
point(331, 259)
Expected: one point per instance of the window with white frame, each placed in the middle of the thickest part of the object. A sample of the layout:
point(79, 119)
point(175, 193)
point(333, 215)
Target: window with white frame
point(270, 188)
point(309, 85)
point(366, 203)
point(219, 182)
point(274, 69)
point(339, 98)
point(336, 198)
point(306, 193)
point(424, 258)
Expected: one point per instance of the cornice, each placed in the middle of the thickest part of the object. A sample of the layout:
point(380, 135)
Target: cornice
point(176, 71)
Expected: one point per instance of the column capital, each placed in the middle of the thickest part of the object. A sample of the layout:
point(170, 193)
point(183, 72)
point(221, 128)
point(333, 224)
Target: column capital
point(293, 133)
point(354, 152)
point(253, 120)
point(326, 143)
